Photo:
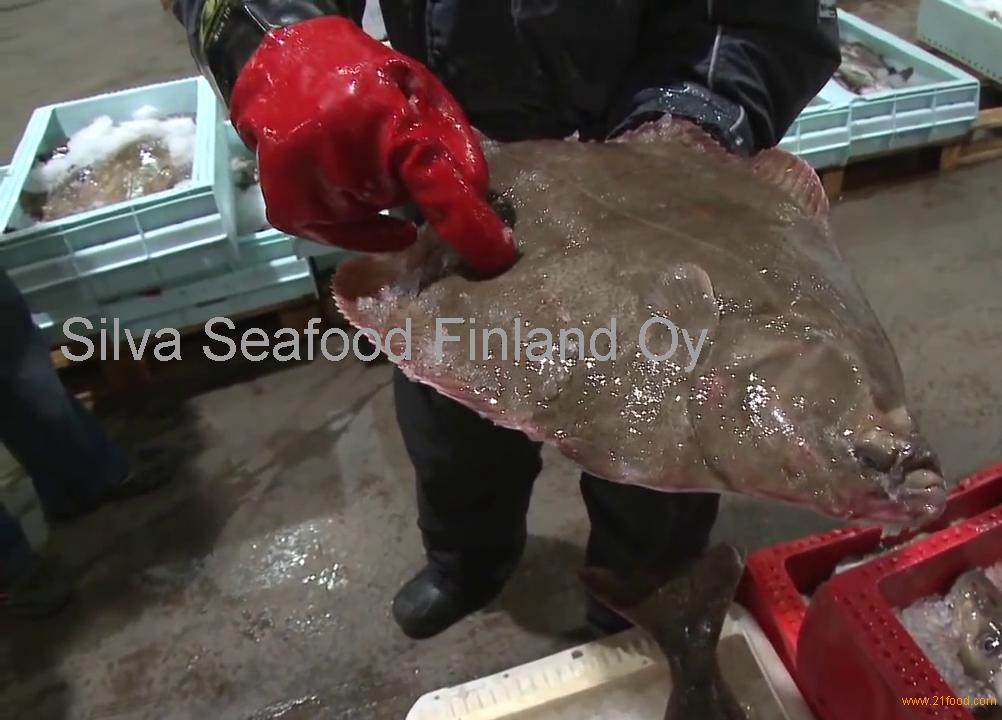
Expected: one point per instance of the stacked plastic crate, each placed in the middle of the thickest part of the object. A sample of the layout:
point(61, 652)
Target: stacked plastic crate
point(829, 604)
point(169, 259)
point(938, 103)
point(969, 32)
point(820, 134)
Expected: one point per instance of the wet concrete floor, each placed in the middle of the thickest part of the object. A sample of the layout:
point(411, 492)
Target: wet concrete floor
point(258, 584)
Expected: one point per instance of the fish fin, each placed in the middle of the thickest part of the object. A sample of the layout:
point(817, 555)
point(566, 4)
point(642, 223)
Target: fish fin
point(796, 178)
point(675, 130)
point(789, 173)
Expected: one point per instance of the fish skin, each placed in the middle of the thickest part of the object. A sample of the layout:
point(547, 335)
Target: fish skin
point(977, 610)
point(798, 376)
point(684, 616)
point(140, 168)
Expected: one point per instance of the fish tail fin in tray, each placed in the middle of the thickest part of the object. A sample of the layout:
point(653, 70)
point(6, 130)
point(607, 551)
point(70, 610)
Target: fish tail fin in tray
point(685, 617)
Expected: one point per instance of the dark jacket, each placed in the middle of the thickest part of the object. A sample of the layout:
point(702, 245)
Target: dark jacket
point(549, 68)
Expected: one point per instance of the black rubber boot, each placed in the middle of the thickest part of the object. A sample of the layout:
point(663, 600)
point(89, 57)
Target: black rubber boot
point(602, 620)
point(36, 592)
point(151, 471)
point(425, 606)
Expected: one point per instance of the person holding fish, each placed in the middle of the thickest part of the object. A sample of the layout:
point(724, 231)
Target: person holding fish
point(345, 127)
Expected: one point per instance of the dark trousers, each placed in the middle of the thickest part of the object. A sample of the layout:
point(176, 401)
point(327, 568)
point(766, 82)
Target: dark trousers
point(70, 459)
point(474, 480)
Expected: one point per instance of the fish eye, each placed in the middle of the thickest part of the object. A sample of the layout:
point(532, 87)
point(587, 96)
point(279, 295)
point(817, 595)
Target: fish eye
point(990, 645)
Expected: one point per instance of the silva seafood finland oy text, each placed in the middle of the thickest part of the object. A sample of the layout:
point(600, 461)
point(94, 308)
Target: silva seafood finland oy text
point(659, 340)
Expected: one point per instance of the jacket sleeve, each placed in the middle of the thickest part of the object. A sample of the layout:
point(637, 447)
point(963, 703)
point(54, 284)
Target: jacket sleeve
point(744, 69)
point(223, 34)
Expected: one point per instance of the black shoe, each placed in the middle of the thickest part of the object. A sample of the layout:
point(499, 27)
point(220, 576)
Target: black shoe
point(35, 593)
point(149, 475)
point(423, 608)
point(136, 484)
point(602, 620)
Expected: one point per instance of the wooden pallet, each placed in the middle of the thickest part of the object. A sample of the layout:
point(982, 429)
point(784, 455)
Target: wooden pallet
point(98, 377)
point(981, 144)
point(984, 143)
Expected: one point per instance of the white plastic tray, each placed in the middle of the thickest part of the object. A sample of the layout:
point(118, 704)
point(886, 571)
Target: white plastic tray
point(578, 683)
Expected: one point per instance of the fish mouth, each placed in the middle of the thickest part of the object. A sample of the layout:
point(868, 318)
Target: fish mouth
point(912, 509)
point(916, 502)
point(924, 503)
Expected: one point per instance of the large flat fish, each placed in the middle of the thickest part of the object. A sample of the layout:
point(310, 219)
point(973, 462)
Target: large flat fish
point(704, 332)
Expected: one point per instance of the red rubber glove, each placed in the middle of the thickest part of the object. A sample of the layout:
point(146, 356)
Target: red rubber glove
point(345, 127)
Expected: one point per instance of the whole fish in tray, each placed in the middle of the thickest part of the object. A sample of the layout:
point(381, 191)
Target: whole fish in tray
point(864, 70)
point(139, 169)
point(977, 607)
point(108, 162)
point(739, 354)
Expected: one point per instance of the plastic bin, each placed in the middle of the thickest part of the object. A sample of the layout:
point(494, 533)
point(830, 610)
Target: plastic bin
point(51, 125)
point(264, 246)
point(572, 683)
point(230, 307)
point(941, 106)
point(962, 33)
point(244, 290)
point(777, 578)
point(820, 134)
point(138, 263)
point(856, 660)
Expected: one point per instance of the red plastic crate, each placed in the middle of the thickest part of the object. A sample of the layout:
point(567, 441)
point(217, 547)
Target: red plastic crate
point(855, 659)
point(776, 578)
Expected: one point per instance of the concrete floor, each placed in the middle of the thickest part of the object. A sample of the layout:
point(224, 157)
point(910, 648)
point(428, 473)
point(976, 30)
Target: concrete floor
point(257, 585)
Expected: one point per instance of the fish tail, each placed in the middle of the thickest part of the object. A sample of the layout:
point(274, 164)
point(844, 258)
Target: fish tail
point(684, 616)
point(706, 698)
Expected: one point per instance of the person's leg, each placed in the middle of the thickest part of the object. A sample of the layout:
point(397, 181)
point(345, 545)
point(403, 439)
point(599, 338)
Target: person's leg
point(14, 548)
point(638, 530)
point(70, 459)
point(27, 587)
point(474, 481)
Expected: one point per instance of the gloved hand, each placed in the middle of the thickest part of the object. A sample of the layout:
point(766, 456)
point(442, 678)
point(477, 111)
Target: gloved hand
point(345, 127)
point(723, 119)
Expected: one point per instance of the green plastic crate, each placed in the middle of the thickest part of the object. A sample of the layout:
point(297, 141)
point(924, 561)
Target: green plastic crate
point(52, 124)
point(244, 290)
point(265, 246)
point(962, 33)
point(198, 315)
point(940, 107)
point(820, 134)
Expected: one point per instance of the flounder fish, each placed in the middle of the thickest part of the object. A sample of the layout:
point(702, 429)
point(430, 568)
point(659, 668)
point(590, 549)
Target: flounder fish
point(678, 318)
point(977, 609)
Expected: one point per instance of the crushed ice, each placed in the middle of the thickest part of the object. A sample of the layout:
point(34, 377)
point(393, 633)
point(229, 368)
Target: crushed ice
point(104, 138)
point(250, 207)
